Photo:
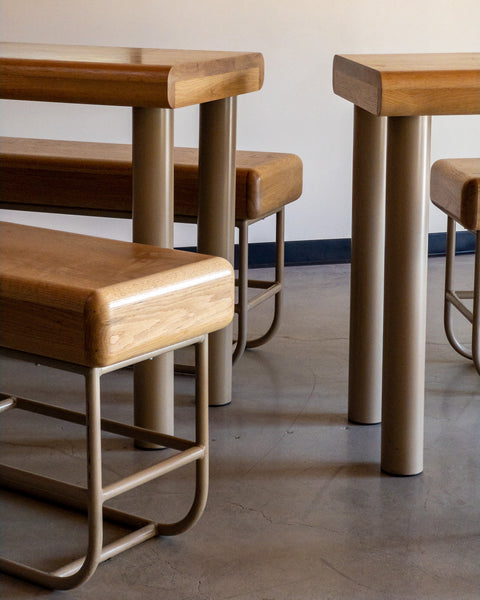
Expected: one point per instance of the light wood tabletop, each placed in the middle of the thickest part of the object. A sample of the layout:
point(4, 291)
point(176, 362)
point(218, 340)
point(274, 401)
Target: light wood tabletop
point(410, 84)
point(126, 76)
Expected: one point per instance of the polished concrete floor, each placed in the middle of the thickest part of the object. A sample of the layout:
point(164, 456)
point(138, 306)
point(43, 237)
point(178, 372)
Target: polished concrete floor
point(298, 508)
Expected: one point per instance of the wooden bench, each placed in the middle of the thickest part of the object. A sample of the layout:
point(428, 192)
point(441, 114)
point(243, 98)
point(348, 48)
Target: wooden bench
point(455, 189)
point(92, 306)
point(96, 179)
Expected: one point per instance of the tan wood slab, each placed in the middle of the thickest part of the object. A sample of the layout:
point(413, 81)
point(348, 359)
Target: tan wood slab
point(455, 189)
point(94, 301)
point(410, 84)
point(96, 178)
point(142, 77)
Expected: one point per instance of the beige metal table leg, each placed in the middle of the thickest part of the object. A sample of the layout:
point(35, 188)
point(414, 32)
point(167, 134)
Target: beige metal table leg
point(216, 221)
point(152, 166)
point(366, 292)
point(407, 198)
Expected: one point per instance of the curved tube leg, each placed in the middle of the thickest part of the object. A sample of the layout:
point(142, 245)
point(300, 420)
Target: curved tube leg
point(201, 474)
point(449, 289)
point(95, 501)
point(242, 304)
point(279, 269)
point(476, 306)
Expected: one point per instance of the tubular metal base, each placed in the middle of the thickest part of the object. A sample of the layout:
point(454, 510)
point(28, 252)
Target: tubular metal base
point(91, 499)
point(454, 298)
point(272, 288)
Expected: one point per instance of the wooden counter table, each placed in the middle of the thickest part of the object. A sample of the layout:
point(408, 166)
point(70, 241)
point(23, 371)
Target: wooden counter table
point(391, 171)
point(154, 82)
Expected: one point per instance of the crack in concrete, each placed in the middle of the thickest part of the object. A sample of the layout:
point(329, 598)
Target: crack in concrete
point(289, 429)
point(285, 523)
point(314, 339)
point(344, 575)
point(255, 510)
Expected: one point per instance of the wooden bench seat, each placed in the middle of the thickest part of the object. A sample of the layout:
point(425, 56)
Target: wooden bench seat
point(92, 306)
point(93, 302)
point(96, 179)
point(455, 189)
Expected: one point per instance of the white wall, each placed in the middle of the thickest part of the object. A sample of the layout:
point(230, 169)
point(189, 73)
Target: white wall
point(296, 111)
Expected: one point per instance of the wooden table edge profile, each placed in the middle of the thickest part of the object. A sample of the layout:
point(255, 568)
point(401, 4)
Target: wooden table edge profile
point(143, 77)
point(409, 84)
point(398, 93)
point(154, 82)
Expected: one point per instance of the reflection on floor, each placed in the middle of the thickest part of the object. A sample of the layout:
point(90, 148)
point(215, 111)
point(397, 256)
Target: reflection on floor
point(298, 509)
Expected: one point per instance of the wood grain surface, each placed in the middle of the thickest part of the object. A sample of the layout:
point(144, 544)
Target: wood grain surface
point(410, 84)
point(96, 178)
point(94, 301)
point(141, 77)
point(455, 189)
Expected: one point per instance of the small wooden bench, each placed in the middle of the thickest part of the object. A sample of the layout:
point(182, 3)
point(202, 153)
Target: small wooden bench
point(92, 306)
point(455, 189)
point(96, 179)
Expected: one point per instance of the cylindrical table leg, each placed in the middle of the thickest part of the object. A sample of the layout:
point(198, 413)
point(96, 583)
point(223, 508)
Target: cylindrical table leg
point(216, 221)
point(366, 291)
point(152, 165)
point(406, 245)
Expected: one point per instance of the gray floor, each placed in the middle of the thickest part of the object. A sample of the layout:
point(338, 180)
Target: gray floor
point(298, 508)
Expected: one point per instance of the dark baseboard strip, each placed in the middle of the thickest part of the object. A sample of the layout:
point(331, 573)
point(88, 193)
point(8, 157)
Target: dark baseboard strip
point(327, 252)
point(465, 243)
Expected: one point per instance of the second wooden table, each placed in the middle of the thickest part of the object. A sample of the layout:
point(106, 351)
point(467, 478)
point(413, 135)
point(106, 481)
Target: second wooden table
point(390, 221)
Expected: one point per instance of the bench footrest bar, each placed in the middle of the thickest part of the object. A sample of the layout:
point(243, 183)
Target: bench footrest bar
point(141, 477)
point(110, 550)
point(130, 431)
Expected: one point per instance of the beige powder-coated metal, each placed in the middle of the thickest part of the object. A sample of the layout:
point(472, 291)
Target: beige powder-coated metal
point(152, 180)
point(366, 291)
point(92, 498)
point(216, 221)
point(406, 234)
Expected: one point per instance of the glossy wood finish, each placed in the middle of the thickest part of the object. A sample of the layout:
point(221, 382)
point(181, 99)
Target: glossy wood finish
point(142, 77)
point(410, 84)
point(96, 178)
point(455, 189)
point(94, 301)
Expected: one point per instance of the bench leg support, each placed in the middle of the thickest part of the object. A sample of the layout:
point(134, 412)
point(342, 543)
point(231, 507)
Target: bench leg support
point(92, 498)
point(454, 299)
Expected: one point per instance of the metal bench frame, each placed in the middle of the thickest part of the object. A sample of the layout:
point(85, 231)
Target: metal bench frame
point(270, 288)
point(91, 499)
point(454, 298)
